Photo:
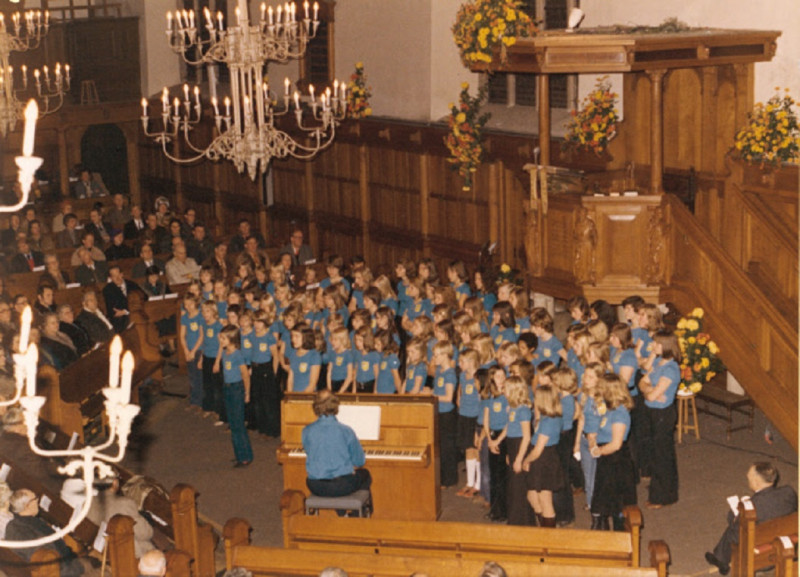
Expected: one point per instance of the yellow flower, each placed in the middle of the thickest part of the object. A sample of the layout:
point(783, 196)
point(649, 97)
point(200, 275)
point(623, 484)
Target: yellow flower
point(461, 117)
point(682, 324)
point(695, 387)
point(691, 340)
point(713, 348)
point(505, 269)
point(368, 112)
point(698, 313)
point(705, 362)
point(692, 325)
point(478, 17)
point(359, 65)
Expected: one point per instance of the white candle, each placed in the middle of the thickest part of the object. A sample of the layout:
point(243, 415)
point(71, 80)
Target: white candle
point(177, 104)
point(238, 16)
point(31, 359)
point(279, 14)
point(24, 76)
point(214, 104)
point(207, 14)
point(31, 114)
point(113, 362)
point(316, 10)
point(286, 85)
point(311, 92)
point(127, 375)
point(305, 8)
point(227, 106)
point(297, 100)
point(47, 18)
point(165, 97)
point(219, 20)
point(344, 91)
point(186, 92)
point(263, 11)
point(144, 107)
point(169, 21)
point(197, 95)
point(270, 15)
point(335, 88)
point(25, 331)
point(191, 18)
point(66, 69)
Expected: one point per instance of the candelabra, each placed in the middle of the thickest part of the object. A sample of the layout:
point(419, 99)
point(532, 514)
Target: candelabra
point(25, 33)
point(248, 136)
point(91, 460)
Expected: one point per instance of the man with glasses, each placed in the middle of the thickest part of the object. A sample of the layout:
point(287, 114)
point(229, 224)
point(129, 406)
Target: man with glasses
point(300, 253)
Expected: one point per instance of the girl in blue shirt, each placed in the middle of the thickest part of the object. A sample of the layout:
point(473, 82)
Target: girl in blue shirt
point(265, 392)
point(469, 407)
point(658, 388)
point(212, 377)
point(388, 296)
point(481, 440)
point(549, 347)
point(191, 342)
point(566, 383)
point(304, 361)
point(626, 366)
point(519, 300)
point(588, 423)
point(388, 382)
point(384, 321)
point(416, 367)
point(480, 289)
point(615, 480)
point(401, 269)
point(502, 330)
point(366, 360)
point(457, 275)
point(341, 368)
point(236, 377)
point(495, 419)
point(544, 469)
point(444, 388)
point(517, 434)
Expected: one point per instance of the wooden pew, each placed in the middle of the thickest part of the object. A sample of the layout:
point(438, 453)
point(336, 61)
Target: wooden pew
point(465, 540)
point(263, 561)
point(74, 394)
point(121, 551)
point(43, 563)
point(782, 555)
point(755, 548)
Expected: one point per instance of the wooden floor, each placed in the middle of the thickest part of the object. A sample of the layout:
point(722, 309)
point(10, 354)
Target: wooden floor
point(174, 446)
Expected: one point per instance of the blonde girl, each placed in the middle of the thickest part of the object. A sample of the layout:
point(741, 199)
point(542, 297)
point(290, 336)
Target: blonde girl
point(341, 371)
point(416, 366)
point(588, 425)
point(469, 407)
point(517, 435)
point(495, 419)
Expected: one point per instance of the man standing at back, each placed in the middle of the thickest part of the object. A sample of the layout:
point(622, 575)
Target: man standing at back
point(334, 455)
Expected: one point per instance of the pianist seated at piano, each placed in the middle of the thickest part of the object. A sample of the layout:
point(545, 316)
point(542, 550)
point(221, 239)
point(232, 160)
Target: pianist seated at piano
point(334, 456)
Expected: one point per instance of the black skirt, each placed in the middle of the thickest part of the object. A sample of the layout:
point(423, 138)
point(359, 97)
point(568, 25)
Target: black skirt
point(614, 483)
point(465, 432)
point(545, 473)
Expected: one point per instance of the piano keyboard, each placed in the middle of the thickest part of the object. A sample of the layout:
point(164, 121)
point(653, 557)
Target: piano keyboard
point(378, 454)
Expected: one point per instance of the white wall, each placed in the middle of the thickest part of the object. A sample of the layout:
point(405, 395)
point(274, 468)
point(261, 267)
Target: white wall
point(160, 65)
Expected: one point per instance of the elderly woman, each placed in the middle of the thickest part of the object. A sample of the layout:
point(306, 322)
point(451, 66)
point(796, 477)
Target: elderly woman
point(59, 349)
point(53, 275)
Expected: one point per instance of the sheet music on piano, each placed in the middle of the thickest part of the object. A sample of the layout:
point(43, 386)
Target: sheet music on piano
point(365, 420)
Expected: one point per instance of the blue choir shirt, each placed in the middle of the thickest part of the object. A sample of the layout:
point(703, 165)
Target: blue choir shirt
point(626, 358)
point(671, 371)
point(332, 449)
point(414, 371)
point(247, 346)
point(232, 366)
point(365, 365)
point(618, 415)
point(211, 339)
point(591, 416)
point(548, 351)
point(470, 403)
point(385, 384)
point(194, 328)
point(339, 363)
point(516, 417)
point(549, 427)
point(262, 348)
point(440, 382)
point(567, 412)
point(498, 413)
point(301, 369)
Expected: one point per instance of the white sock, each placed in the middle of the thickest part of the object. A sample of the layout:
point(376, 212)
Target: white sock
point(477, 485)
point(472, 472)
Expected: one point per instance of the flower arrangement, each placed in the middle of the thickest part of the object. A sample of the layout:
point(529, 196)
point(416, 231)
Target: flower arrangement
point(506, 274)
point(466, 132)
point(482, 25)
point(358, 94)
point(699, 362)
point(595, 124)
point(772, 135)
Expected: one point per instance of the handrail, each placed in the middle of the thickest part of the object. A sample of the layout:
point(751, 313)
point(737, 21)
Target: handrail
point(757, 343)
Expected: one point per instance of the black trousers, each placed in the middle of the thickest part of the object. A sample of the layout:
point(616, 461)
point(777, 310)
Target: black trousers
point(498, 471)
point(517, 507)
point(340, 486)
point(265, 400)
point(563, 502)
point(664, 481)
point(213, 399)
point(448, 452)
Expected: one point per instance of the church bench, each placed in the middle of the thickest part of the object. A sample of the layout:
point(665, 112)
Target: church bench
point(461, 540)
point(755, 548)
point(43, 563)
point(264, 561)
point(783, 554)
point(122, 557)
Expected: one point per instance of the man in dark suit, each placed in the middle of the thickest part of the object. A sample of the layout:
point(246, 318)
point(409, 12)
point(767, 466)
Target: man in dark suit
point(100, 229)
point(300, 253)
point(90, 272)
point(770, 502)
point(134, 228)
point(116, 294)
point(26, 259)
point(45, 300)
point(76, 333)
point(70, 237)
point(147, 260)
point(244, 232)
point(93, 321)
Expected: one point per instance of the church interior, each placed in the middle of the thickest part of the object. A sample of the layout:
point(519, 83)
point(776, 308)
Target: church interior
point(363, 127)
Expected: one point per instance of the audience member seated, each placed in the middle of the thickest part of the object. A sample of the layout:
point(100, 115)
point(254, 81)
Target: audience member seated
point(163, 213)
point(110, 501)
point(45, 300)
point(76, 333)
point(26, 259)
point(88, 243)
point(116, 294)
point(300, 253)
point(92, 320)
point(8, 384)
point(9, 235)
point(27, 526)
point(181, 269)
point(100, 229)
point(770, 502)
point(118, 249)
point(175, 230)
point(65, 208)
point(153, 284)
point(134, 228)
point(70, 237)
point(88, 186)
point(219, 260)
point(155, 234)
point(90, 272)
point(5, 512)
point(118, 215)
point(52, 275)
point(8, 328)
point(147, 260)
point(334, 456)
point(56, 348)
point(200, 247)
point(153, 564)
point(189, 222)
point(256, 256)
point(39, 239)
point(242, 234)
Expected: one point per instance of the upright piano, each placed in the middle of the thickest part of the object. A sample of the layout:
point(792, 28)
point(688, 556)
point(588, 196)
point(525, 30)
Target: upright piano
point(403, 457)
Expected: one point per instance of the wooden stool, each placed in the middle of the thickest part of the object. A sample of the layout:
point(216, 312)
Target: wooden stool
point(359, 502)
point(687, 421)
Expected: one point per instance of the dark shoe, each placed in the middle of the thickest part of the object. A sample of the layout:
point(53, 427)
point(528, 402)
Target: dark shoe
point(548, 522)
point(619, 522)
point(242, 464)
point(724, 568)
point(604, 525)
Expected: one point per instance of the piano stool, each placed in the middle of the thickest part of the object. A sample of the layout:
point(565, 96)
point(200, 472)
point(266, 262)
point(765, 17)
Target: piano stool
point(359, 502)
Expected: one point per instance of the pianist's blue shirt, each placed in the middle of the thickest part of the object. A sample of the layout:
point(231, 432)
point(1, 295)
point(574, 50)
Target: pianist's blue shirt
point(332, 449)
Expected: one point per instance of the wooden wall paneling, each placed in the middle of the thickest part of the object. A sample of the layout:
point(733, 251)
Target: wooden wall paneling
point(683, 119)
point(709, 116)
